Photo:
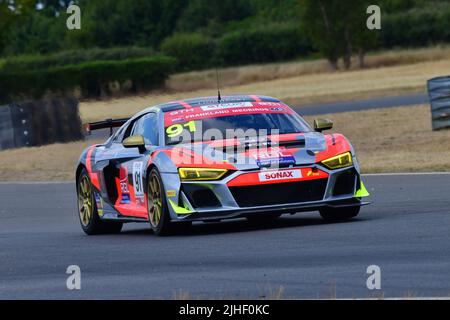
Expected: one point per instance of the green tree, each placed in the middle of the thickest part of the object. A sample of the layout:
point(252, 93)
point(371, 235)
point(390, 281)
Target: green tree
point(12, 12)
point(358, 38)
point(212, 15)
point(53, 7)
point(38, 33)
point(338, 28)
point(6, 19)
point(122, 22)
point(321, 20)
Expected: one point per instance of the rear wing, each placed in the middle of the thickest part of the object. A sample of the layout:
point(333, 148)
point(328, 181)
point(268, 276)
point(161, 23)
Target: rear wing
point(108, 123)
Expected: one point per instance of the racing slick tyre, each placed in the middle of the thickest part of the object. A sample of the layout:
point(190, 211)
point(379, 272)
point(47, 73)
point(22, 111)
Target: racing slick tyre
point(158, 213)
point(87, 209)
point(339, 214)
point(263, 217)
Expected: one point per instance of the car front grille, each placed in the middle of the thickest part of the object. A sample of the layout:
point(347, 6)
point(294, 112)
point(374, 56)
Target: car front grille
point(200, 197)
point(345, 183)
point(282, 193)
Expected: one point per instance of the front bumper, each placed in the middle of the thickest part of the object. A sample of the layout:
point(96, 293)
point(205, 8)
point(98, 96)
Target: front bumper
point(217, 200)
point(292, 208)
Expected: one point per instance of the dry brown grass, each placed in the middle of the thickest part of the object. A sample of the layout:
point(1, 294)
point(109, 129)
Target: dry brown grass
point(395, 139)
point(55, 162)
point(233, 76)
point(293, 86)
point(386, 140)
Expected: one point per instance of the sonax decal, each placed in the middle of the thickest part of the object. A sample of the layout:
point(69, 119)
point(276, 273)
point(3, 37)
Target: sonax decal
point(280, 175)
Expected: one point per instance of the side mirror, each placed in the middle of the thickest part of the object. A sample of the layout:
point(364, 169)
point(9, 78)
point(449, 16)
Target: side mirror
point(322, 124)
point(137, 141)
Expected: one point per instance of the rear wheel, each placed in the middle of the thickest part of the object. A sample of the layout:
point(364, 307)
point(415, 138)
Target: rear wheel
point(87, 209)
point(339, 214)
point(158, 213)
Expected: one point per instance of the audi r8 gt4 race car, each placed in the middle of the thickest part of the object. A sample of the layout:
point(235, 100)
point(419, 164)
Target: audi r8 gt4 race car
point(210, 159)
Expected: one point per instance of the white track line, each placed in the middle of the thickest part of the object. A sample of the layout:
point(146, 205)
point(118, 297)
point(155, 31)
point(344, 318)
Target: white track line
point(36, 182)
point(405, 174)
point(396, 299)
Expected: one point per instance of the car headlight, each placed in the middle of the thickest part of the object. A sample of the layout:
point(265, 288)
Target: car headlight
point(203, 174)
point(340, 161)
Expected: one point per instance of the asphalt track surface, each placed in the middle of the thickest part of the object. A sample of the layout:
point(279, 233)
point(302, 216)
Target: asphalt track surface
point(360, 105)
point(405, 232)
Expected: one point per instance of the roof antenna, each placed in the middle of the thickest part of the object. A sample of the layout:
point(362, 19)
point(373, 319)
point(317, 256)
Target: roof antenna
point(219, 97)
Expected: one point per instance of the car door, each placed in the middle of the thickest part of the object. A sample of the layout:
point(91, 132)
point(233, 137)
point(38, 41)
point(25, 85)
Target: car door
point(134, 170)
point(126, 169)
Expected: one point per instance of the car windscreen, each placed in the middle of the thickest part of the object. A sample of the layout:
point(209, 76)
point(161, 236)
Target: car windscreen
point(234, 126)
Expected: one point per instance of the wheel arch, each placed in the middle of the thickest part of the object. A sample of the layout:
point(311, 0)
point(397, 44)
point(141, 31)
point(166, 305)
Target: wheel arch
point(150, 167)
point(80, 168)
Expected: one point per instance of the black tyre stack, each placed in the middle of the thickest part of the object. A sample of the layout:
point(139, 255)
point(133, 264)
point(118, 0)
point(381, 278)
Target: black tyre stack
point(37, 123)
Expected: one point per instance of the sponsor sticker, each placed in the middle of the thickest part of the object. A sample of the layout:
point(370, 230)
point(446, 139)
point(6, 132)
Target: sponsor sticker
point(124, 185)
point(313, 173)
point(269, 104)
point(125, 199)
point(227, 106)
point(178, 120)
point(138, 183)
point(99, 203)
point(273, 159)
point(280, 175)
point(171, 193)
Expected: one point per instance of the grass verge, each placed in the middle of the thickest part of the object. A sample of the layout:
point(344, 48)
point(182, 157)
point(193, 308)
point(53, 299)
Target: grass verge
point(395, 139)
point(233, 76)
point(386, 140)
point(56, 162)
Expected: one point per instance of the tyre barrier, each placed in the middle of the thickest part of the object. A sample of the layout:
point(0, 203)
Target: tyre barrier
point(37, 123)
point(439, 95)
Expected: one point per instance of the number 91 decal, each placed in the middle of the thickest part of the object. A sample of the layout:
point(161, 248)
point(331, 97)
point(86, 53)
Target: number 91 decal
point(177, 129)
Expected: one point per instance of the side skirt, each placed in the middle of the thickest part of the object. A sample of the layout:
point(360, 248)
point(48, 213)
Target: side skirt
point(107, 212)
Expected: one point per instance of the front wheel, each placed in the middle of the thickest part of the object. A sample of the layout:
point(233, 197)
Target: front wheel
point(158, 213)
point(339, 214)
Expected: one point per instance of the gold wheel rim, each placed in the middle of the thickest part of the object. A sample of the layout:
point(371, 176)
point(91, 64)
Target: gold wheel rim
point(85, 201)
point(154, 200)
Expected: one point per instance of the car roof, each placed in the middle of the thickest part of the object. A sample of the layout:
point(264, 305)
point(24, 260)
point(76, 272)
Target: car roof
point(203, 101)
point(197, 102)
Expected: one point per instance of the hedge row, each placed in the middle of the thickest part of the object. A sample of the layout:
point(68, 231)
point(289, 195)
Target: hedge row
point(92, 78)
point(270, 43)
point(265, 44)
point(417, 27)
point(64, 58)
point(193, 51)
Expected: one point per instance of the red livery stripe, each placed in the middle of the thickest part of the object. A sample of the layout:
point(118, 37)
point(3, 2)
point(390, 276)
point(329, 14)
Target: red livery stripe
point(92, 175)
point(89, 159)
point(257, 99)
point(185, 104)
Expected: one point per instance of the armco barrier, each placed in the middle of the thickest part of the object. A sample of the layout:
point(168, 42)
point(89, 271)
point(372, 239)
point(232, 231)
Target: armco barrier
point(38, 123)
point(439, 94)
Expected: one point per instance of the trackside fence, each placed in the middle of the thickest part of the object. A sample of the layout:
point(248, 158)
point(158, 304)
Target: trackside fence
point(439, 95)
